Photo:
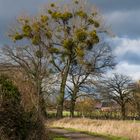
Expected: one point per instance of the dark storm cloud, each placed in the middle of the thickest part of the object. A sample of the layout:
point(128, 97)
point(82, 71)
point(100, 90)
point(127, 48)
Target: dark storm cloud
point(121, 15)
point(124, 23)
point(131, 58)
point(11, 9)
point(113, 5)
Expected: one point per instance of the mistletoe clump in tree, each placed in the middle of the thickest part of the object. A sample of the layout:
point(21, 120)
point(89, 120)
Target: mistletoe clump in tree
point(75, 32)
point(63, 35)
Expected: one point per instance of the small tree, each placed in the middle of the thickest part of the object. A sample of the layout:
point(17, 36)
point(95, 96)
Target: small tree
point(15, 123)
point(85, 105)
point(117, 88)
point(8, 91)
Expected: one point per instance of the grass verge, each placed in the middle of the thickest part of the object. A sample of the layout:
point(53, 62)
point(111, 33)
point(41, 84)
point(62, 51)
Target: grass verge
point(55, 136)
point(104, 136)
point(124, 130)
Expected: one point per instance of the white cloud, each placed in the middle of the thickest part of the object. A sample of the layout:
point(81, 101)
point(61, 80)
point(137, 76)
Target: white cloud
point(127, 69)
point(124, 45)
point(127, 52)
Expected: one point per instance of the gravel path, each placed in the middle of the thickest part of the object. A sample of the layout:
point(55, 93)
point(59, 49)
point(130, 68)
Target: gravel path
point(75, 135)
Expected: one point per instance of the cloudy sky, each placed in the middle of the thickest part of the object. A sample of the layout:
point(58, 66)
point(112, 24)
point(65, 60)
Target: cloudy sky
point(123, 16)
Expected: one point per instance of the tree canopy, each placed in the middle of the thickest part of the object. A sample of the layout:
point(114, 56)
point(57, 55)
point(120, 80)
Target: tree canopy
point(58, 38)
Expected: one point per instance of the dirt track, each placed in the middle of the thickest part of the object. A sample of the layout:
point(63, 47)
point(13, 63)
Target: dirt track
point(75, 135)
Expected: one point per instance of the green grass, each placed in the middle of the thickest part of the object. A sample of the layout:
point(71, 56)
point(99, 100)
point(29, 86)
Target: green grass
point(65, 113)
point(134, 121)
point(108, 137)
point(105, 136)
point(54, 136)
point(60, 138)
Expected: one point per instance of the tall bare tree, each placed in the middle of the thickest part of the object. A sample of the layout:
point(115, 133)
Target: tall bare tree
point(62, 33)
point(117, 88)
point(75, 32)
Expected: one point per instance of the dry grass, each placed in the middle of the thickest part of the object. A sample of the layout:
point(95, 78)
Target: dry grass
point(129, 129)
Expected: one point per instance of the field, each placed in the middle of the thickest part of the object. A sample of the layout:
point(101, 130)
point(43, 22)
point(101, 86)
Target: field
point(128, 129)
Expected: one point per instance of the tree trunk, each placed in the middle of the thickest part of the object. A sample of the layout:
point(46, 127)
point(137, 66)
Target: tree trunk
point(41, 109)
point(39, 132)
point(73, 100)
point(138, 109)
point(123, 111)
point(60, 100)
point(72, 107)
point(42, 106)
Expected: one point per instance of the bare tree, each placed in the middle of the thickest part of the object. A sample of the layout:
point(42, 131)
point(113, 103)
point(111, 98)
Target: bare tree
point(81, 77)
point(77, 81)
point(117, 88)
point(33, 63)
point(136, 97)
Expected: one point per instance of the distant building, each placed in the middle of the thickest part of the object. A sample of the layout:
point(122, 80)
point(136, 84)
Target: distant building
point(107, 106)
